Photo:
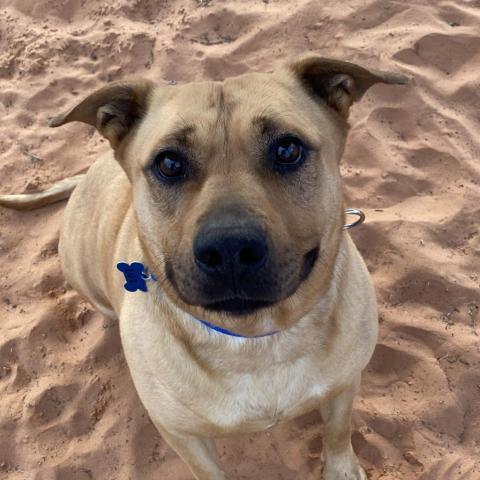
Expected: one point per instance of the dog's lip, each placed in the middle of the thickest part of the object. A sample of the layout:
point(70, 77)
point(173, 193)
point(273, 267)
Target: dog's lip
point(309, 261)
point(238, 305)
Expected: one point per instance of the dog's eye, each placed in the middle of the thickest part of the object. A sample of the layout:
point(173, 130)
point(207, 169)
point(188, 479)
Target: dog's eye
point(288, 153)
point(170, 165)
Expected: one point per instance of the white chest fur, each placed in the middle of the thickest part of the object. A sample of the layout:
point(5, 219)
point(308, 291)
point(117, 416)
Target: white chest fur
point(227, 384)
point(258, 400)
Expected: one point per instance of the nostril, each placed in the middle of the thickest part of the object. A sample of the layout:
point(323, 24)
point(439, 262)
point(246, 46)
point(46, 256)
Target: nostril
point(228, 252)
point(251, 255)
point(210, 258)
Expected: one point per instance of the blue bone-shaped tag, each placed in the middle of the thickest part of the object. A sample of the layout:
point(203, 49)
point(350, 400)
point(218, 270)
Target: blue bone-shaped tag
point(135, 276)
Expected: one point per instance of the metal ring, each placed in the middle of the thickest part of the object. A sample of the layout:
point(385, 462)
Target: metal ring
point(358, 213)
point(148, 276)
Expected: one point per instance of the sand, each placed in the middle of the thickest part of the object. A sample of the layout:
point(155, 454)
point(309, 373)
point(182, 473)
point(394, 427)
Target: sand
point(68, 409)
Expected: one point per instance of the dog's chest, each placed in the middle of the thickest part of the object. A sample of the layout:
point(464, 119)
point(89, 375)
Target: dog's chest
point(257, 400)
point(224, 386)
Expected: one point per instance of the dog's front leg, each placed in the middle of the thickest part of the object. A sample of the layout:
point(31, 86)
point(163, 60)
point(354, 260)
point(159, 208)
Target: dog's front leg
point(340, 460)
point(199, 453)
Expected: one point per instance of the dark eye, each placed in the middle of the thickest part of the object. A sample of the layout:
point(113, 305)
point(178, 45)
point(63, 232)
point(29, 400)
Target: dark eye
point(288, 153)
point(170, 165)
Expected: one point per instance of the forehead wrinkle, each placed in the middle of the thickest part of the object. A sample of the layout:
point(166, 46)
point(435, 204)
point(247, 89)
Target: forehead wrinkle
point(269, 124)
point(222, 120)
point(224, 117)
point(266, 124)
point(181, 134)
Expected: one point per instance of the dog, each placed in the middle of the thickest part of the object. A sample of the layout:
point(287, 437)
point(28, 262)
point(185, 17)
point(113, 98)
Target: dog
point(213, 231)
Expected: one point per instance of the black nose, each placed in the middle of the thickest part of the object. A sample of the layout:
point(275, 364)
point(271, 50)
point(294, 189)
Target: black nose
point(227, 253)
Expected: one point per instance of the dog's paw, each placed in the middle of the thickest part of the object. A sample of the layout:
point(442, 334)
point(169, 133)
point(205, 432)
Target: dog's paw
point(356, 474)
point(343, 468)
point(359, 474)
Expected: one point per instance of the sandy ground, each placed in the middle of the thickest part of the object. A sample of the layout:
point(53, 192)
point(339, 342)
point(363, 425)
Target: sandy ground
point(68, 409)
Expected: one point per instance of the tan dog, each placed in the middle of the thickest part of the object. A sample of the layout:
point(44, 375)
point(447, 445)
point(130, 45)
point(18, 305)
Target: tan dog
point(230, 194)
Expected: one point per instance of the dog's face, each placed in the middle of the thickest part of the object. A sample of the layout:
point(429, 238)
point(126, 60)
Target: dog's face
point(236, 185)
point(237, 195)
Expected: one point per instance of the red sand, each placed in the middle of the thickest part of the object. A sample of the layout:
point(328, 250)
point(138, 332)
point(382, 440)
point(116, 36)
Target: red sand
point(68, 407)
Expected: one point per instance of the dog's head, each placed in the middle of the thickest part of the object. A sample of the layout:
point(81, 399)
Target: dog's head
point(236, 184)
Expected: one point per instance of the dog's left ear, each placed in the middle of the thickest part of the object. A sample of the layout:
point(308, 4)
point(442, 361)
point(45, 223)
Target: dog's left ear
point(113, 109)
point(340, 83)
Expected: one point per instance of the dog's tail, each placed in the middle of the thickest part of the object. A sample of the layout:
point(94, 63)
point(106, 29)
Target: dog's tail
point(28, 201)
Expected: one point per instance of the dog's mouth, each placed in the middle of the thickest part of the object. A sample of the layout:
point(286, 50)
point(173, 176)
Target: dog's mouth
point(254, 295)
point(238, 306)
point(308, 263)
point(245, 306)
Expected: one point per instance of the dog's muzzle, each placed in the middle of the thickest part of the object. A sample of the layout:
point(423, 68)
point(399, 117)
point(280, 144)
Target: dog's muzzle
point(234, 265)
point(231, 257)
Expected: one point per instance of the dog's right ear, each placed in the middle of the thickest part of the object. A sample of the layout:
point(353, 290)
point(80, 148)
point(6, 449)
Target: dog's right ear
point(113, 110)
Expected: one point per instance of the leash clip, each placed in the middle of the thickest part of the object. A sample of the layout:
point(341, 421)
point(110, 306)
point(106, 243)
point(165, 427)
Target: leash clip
point(359, 221)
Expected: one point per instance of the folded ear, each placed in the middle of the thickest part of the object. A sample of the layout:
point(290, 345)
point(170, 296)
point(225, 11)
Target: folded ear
point(340, 83)
point(113, 110)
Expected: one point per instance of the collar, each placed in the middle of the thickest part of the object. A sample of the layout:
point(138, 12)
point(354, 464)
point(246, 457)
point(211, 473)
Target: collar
point(136, 277)
point(211, 326)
